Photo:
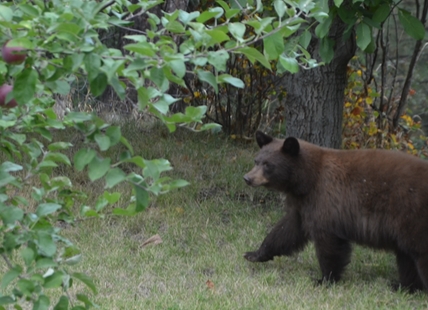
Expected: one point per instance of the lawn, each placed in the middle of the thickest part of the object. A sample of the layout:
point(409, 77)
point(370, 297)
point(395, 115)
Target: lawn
point(205, 229)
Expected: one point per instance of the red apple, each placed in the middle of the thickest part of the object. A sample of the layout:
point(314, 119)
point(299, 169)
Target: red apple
point(4, 90)
point(13, 54)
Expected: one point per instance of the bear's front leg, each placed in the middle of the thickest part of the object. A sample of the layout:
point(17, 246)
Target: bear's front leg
point(286, 238)
point(333, 255)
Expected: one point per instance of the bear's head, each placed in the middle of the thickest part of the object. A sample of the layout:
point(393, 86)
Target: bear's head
point(279, 165)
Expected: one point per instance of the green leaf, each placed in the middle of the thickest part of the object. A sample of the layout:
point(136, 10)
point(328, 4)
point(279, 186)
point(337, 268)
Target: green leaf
point(338, 3)
point(5, 178)
point(28, 256)
point(112, 197)
point(9, 166)
point(143, 97)
point(43, 263)
point(411, 25)
point(218, 36)
point(179, 67)
point(226, 78)
point(218, 59)
point(62, 303)
point(114, 133)
point(118, 87)
point(208, 77)
point(326, 49)
point(54, 280)
point(103, 141)
point(273, 46)
point(162, 105)
point(126, 143)
point(83, 298)
point(74, 260)
point(98, 84)
point(195, 113)
point(207, 15)
point(29, 10)
point(47, 208)
point(5, 300)
point(305, 38)
point(215, 128)
point(24, 88)
point(92, 63)
point(142, 48)
point(290, 64)
point(47, 164)
point(10, 215)
point(199, 61)
point(381, 13)
point(82, 158)
point(253, 54)
point(5, 13)
point(59, 146)
point(86, 280)
point(237, 30)
point(114, 177)
point(280, 8)
point(324, 27)
point(158, 77)
point(364, 35)
point(175, 27)
point(9, 276)
point(78, 117)
point(42, 303)
point(187, 17)
point(98, 167)
point(178, 184)
point(45, 243)
point(58, 158)
point(26, 286)
point(142, 198)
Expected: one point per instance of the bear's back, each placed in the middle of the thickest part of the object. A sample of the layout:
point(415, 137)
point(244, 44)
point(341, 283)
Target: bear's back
point(368, 195)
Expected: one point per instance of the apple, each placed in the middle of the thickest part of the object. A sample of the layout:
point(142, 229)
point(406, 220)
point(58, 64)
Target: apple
point(4, 90)
point(13, 54)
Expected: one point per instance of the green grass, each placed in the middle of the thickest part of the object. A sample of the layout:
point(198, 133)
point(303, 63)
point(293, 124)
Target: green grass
point(206, 227)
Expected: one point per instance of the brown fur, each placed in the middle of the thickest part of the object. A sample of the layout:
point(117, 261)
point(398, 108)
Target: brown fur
point(371, 197)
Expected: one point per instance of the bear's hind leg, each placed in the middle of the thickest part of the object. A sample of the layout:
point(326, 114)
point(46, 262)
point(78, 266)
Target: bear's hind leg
point(333, 255)
point(422, 266)
point(408, 272)
point(286, 238)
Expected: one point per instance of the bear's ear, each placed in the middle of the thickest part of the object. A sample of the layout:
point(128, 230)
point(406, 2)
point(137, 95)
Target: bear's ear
point(262, 139)
point(291, 146)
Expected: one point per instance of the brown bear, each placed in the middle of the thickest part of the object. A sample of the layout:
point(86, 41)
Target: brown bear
point(376, 198)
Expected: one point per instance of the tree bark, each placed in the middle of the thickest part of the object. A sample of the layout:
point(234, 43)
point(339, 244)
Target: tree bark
point(315, 97)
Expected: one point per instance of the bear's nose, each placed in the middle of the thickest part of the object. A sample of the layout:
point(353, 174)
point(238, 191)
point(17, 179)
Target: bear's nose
point(247, 180)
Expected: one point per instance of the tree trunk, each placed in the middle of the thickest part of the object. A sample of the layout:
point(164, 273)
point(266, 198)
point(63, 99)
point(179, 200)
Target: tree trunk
point(315, 97)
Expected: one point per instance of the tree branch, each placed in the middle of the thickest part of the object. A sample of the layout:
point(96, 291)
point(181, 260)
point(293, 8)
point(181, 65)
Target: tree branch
point(406, 88)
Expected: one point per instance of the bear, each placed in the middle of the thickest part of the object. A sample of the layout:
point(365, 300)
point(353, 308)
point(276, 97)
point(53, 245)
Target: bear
point(375, 198)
